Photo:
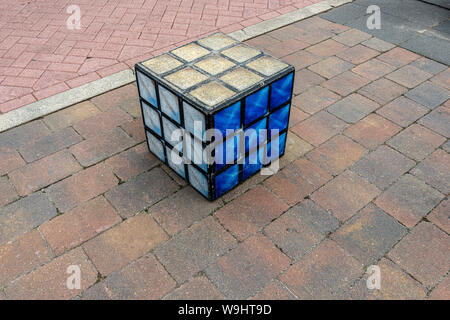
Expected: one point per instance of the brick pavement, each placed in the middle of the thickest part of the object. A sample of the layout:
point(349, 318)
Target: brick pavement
point(365, 181)
point(40, 56)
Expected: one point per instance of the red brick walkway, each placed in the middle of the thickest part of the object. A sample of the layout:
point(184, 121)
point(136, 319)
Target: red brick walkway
point(364, 181)
point(40, 56)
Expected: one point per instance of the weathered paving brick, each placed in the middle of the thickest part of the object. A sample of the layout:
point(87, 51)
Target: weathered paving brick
point(327, 48)
point(315, 99)
point(297, 180)
point(124, 243)
point(301, 59)
point(275, 290)
point(378, 44)
point(429, 65)
point(84, 222)
point(408, 200)
point(100, 147)
point(345, 195)
point(409, 76)
point(194, 249)
point(398, 57)
point(23, 215)
point(352, 37)
point(416, 142)
point(132, 162)
point(373, 69)
point(357, 54)
point(141, 192)
point(440, 216)
point(316, 22)
point(311, 36)
point(337, 154)
point(69, 116)
point(369, 234)
point(50, 281)
point(345, 83)
point(424, 254)
point(248, 268)
point(286, 47)
point(403, 111)
point(182, 209)
point(324, 273)
point(395, 285)
point(143, 279)
point(429, 94)
point(438, 120)
point(198, 288)
point(135, 129)
point(44, 172)
point(23, 134)
point(49, 144)
point(443, 79)
point(382, 90)
point(330, 67)
point(81, 187)
point(301, 228)
point(442, 291)
point(353, 108)
point(9, 160)
point(305, 79)
point(319, 128)
point(7, 192)
point(22, 255)
point(124, 97)
point(101, 122)
point(383, 166)
point(296, 115)
point(434, 170)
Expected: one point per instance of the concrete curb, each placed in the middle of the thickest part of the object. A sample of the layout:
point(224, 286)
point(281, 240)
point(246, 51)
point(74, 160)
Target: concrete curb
point(70, 97)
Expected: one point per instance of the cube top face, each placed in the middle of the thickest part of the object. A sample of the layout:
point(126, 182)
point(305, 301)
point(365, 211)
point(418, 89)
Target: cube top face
point(214, 72)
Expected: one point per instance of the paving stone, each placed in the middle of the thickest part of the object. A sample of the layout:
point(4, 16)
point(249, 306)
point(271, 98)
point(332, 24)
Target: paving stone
point(403, 111)
point(141, 192)
point(446, 146)
point(434, 170)
point(398, 57)
point(369, 234)
point(424, 254)
point(440, 216)
point(286, 33)
point(430, 44)
point(124, 243)
point(442, 79)
point(49, 144)
point(81, 187)
point(416, 142)
point(409, 76)
point(305, 79)
point(143, 279)
point(383, 166)
point(429, 65)
point(324, 273)
point(251, 211)
point(132, 162)
point(50, 281)
point(352, 37)
point(9, 160)
point(337, 154)
point(327, 48)
point(135, 129)
point(7, 192)
point(315, 99)
point(198, 288)
point(330, 67)
point(353, 108)
point(345, 83)
point(297, 181)
point(429, 94)
point(69, 116)
point(26, 133)
point(345, 195)
point(246, 185)
point(295, 148)
point(357, 54)
point(248, 268)
point(22, 255)
point(301, 228)
point(194, 249)
point(315, 23)
point(408, 200)
point(395, 285)
point(84, 223)
point(301, 59)
point(286, 47)
point(382, 91)
point(373, 69)
point(438, 120)
point(378, 44)
point(345, 13)
point(44, 172)
point(275, 290)
point(175, 177)
point(23, 215)
point(125, 97)
point(100, 147)
point(442, 291)
point(296, 115)
point(182, 209)
point(311, 36)
point(319, 128)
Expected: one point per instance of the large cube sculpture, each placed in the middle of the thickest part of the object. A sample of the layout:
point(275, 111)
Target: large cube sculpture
point(215, 110)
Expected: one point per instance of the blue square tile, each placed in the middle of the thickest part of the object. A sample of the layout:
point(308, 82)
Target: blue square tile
point(255, 135)
point(198, 180)
point(279, 119)
point(256, 105)
point(227, 152)
point(194, 121)
point(152, 118)
point(253, 163)
point(281, 91)
point(228, 119)
point(175, 161)
point(227, 180)
point(275, 148)
point(155, 145)
point(195, 152)
point(173, 134)
point(169, 104)
point(147, 89)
